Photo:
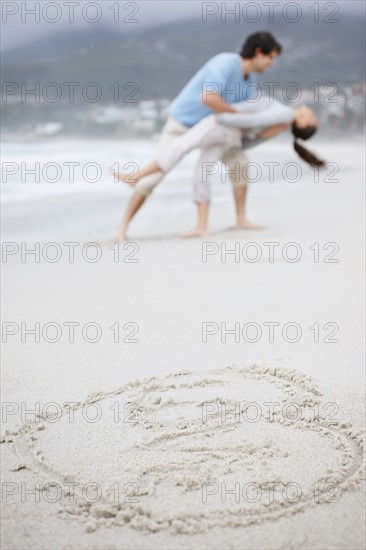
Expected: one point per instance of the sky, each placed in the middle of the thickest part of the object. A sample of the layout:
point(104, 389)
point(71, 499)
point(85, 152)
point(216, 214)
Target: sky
point(18, 26)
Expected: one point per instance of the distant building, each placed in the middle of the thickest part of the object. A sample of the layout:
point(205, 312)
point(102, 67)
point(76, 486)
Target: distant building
point(110, 114)
point(48, 129)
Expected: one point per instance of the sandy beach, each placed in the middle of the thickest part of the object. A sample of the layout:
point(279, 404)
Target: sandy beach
point(204, 393)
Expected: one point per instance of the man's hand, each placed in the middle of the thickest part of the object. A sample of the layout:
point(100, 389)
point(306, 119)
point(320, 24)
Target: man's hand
point(216, 103)
point(273, 130)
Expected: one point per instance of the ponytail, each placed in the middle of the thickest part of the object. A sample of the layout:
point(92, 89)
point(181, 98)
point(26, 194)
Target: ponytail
point(305, 154)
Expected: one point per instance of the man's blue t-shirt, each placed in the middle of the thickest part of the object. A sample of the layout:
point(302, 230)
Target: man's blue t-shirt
point(222, 74)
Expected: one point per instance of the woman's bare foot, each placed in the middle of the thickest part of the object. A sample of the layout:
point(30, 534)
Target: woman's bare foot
point(197, 232)
point(125, 177)
point(246, 224)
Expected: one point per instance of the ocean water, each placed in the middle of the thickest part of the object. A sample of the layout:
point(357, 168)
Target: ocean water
point(62, 189)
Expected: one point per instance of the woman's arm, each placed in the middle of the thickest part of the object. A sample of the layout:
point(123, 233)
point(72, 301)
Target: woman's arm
point(270, 115)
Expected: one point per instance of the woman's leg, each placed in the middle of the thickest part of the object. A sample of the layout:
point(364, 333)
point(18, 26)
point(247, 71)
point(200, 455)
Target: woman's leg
point(203, 133)
point(206, 168)
point(206, 133)
point(201, 228)
point(171, 130)
point(133, 178)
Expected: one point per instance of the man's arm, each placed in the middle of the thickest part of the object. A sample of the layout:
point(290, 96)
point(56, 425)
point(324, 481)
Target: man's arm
point(272, 131)
point(218, 73)
point(268, 133)
point(216, 103)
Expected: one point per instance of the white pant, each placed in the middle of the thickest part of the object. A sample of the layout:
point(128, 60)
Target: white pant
point(218, 143)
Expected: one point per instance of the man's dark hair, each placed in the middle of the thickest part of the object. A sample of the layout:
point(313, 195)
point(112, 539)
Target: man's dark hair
point(263, 40)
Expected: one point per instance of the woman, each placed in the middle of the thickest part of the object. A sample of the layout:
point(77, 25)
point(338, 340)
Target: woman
point(218, 133)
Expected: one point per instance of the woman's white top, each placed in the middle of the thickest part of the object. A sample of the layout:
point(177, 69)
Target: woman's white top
point(257, 116)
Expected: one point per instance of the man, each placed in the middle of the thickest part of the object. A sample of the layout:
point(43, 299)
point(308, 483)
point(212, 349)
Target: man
point(226, 79)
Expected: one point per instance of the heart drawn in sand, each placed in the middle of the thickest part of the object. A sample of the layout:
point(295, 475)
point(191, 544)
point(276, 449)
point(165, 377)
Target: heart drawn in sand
point(191, 451)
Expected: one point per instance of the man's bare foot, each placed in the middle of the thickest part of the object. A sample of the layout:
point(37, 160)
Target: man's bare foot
point(125, 177)
point(246, 224)
point(120, 238)
point(121, 234)
point(197, 232)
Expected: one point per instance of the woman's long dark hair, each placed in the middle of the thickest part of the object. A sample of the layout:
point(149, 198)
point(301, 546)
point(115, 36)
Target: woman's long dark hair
point(305, 154)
